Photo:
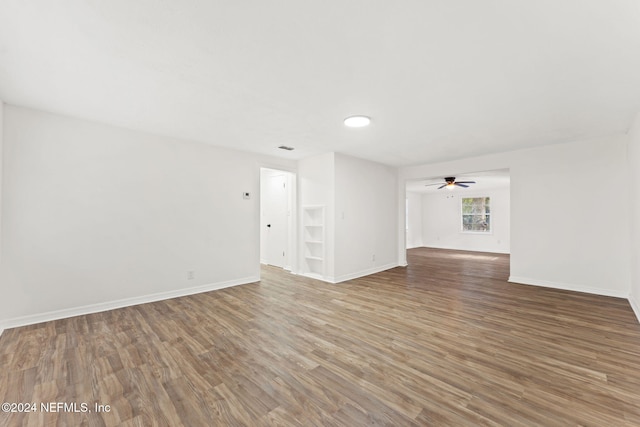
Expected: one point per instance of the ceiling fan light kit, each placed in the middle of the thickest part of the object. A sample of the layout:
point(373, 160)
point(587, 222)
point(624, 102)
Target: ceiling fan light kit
point(450, 183)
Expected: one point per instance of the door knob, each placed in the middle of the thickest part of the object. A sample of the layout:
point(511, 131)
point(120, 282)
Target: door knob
point(269, 225)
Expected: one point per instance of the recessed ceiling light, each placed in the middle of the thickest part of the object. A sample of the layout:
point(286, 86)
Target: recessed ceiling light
point(357, 121)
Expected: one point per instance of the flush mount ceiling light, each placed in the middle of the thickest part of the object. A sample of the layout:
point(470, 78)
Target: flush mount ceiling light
point(357, 121)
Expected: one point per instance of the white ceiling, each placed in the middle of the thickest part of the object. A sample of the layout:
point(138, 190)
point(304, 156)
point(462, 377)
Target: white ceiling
point(441, 79)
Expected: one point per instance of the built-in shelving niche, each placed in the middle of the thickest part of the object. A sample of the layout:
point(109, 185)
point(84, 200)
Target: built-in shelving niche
point(314, 241)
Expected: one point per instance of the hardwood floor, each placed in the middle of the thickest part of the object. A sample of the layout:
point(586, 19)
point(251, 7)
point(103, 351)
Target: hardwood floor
point(445, 341)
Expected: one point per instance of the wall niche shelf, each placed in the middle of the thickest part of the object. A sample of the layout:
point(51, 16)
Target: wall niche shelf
point(314, 241)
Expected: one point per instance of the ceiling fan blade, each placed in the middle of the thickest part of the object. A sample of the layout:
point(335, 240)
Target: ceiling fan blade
point(465, 182)
point(461, 185)
point(442, 186)
point(429, 185)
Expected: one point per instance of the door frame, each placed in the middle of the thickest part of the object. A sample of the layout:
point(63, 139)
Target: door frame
point(292, 217)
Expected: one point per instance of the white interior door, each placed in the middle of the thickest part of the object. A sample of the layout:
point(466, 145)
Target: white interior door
point(274, 210)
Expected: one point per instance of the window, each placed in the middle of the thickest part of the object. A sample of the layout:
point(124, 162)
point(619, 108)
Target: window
point(476, 215)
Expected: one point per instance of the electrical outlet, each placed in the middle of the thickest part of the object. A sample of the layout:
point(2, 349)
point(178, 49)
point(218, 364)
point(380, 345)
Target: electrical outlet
point(191, 275)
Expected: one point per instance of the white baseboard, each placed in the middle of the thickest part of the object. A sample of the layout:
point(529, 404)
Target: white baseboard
point(635, 305)
point(126, 302)
point(455, 248)
point(568, 287)
point(316, 277)
point(362, 273)
point(350, 276)
point(286, 267)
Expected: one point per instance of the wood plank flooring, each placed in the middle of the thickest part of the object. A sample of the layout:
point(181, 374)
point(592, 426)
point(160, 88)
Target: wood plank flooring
point(445, 341)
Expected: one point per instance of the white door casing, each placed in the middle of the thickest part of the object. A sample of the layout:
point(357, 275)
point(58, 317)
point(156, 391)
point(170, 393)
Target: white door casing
point(275, 221)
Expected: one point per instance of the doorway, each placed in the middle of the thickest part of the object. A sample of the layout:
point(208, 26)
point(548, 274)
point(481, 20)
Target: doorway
point(447, 216)
point(276, 218)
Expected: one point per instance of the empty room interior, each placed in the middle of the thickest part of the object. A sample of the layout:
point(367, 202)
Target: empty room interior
point(332, 213)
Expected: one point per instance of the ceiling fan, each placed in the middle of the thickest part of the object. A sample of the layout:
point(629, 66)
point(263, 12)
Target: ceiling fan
point(450, 182)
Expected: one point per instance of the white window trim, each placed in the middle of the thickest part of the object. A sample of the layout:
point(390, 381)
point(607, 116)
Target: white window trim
point(479, 233)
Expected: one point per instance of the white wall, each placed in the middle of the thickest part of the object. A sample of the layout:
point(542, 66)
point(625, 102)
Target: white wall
point(569, 220)
point(360, 219)
point(581, 240)
point(442, 221)
point(1, 174)
point(96, 216)
point(365, 217)
point(634, 187)
point(414, 220)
